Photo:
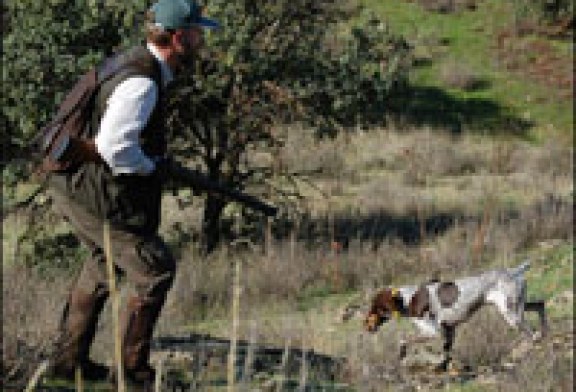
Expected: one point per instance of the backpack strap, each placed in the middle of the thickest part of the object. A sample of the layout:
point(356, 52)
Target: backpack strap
point(109, 67)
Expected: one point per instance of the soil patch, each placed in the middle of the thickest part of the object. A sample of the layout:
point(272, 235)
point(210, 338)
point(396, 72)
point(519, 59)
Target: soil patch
point(527, 51)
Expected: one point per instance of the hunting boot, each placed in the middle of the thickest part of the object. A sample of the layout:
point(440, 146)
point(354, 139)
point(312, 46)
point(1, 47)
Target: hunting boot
point(77, 330)
point(139, 326)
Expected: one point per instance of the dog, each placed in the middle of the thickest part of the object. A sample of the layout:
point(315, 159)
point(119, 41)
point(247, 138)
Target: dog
point(437, 308)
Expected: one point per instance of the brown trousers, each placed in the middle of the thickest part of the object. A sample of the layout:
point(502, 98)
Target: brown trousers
point(144, 261)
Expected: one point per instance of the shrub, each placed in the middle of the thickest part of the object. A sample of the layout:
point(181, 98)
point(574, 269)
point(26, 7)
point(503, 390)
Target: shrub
point(544, 11)
point(272, 63)
point(448, 6)
point(277, 63)
point(47, 46)
point(34, 304)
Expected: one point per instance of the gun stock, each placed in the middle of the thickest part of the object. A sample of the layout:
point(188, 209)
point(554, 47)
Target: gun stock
point(200, 181)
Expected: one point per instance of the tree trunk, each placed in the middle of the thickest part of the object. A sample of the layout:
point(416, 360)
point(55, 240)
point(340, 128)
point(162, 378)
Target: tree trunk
point(211, 233)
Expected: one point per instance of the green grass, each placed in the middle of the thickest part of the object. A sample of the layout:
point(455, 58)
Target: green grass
point(468, 37)
point(552, 275)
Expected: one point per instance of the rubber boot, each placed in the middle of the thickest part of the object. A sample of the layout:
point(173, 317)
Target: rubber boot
point(77, 331)
point(139, 327)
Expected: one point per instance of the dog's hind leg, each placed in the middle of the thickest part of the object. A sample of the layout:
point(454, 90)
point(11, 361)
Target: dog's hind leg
point(538, 306)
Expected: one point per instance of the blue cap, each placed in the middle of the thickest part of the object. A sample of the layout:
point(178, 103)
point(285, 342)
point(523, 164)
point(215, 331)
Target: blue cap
point(180, 14)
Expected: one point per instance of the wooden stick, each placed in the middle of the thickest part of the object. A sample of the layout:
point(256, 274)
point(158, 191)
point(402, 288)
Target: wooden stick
point(158, 380)
point(249, 357)
point(303, 367)
point(79, 384)
point(478, 246)
point(115, 306)
point(36, 376)
point(235, 324)
point(284, 363)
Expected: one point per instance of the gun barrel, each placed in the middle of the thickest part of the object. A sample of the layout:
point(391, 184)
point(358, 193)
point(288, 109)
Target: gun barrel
point(200, 181)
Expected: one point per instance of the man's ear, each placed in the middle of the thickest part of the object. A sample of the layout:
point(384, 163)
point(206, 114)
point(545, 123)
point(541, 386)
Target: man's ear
point(419, 303)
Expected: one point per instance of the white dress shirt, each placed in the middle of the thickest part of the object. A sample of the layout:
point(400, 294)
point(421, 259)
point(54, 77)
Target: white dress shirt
point(127, 112)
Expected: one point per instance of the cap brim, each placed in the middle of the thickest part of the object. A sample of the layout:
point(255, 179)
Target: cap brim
point(207, 23)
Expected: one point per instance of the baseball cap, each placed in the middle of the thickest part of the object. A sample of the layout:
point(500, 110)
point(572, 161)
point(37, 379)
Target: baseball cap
point(180, 14)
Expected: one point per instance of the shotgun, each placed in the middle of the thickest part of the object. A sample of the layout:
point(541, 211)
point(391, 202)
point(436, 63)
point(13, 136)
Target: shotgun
point(201, 182)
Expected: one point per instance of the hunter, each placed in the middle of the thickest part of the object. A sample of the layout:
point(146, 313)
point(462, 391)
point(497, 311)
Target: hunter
point(120, 180)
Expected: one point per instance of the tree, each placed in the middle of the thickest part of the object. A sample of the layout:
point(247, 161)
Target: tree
point(278, 62)
point(47, 46)
point(273, 62)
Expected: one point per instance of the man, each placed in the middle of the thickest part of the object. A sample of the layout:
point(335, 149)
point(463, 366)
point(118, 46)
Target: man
point(120, 181)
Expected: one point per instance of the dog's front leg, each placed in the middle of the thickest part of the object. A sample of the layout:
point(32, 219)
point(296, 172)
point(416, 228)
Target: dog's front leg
point(427, 329)
point(448, 334)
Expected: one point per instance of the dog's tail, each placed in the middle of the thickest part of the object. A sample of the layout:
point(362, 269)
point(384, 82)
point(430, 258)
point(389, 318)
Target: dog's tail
point(519, 270)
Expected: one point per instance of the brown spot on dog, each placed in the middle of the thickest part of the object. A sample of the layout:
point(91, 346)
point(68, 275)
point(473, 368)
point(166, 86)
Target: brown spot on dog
point(448, 294)
point(419, 303)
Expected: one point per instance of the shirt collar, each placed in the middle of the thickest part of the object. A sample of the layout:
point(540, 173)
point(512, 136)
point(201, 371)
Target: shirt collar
point(165, 70)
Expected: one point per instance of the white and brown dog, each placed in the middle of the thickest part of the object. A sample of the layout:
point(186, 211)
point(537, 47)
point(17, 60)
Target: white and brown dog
point(436, 308)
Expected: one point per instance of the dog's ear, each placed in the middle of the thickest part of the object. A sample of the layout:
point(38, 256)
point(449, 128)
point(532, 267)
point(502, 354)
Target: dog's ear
point(378, 302)
point(380, 309)
point(419, 303)
point(381, 303)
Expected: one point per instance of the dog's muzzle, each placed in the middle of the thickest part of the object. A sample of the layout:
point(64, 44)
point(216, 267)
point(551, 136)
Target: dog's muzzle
point(372, 322)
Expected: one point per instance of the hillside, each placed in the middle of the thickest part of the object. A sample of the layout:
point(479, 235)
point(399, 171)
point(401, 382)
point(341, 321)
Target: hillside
point(480, 62)
point(475, 172)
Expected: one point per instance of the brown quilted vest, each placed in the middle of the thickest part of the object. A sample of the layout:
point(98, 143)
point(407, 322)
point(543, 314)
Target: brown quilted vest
point(129, 202)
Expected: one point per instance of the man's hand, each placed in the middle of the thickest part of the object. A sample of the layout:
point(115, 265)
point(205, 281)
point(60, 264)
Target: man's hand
point(74, 150)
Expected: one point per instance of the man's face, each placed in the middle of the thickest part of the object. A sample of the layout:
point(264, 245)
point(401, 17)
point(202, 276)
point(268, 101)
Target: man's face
point(187, 43)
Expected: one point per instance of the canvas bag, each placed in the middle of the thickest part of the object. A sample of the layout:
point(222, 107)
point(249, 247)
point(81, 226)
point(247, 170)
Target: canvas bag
point(54, 142)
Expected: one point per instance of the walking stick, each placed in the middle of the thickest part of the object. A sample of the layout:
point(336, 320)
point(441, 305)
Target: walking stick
point(115, 306)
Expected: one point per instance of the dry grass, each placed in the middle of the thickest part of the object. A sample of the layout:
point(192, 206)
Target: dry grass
point(485, 340)
point(31, 307)
point(397, 171)
point(412, 205)
point(544, 370)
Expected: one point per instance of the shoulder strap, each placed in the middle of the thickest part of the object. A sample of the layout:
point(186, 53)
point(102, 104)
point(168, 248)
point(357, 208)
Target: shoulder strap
point(80, 95)
point(140, 60)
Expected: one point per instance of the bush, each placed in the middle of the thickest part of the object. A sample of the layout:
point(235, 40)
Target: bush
point(276, 62)
point(544, 11)
point(273, 64)
point(47, 46)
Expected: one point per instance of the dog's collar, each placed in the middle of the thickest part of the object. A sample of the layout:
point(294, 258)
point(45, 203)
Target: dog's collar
point(395, 293)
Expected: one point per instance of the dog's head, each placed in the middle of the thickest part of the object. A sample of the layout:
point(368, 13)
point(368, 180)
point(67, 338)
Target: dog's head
point(387, 303)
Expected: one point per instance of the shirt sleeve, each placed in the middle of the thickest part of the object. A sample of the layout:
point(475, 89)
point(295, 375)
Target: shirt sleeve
point(127, 112)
